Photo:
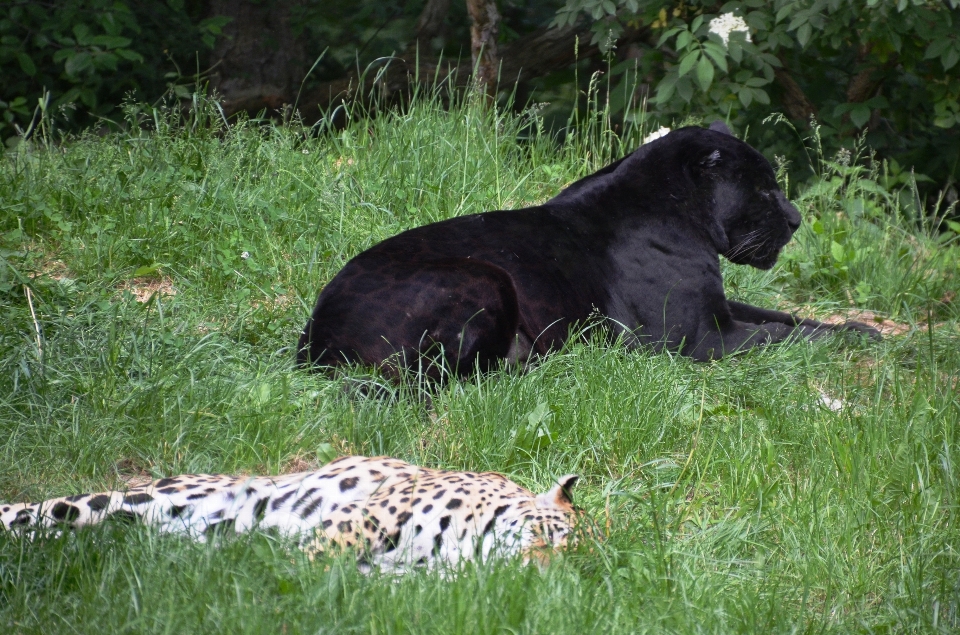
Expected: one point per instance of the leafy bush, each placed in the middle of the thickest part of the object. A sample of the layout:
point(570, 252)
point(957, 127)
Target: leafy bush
point(92, 53)
point(888, 66)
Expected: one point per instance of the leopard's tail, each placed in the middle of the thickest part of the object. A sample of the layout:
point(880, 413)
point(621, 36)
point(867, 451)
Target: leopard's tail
point(71, 511)
point(185, 504)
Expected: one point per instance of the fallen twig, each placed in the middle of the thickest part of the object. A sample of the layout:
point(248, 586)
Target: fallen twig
point(36, 325)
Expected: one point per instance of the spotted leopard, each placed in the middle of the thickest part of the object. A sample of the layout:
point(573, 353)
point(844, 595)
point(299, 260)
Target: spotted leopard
point(393, 513)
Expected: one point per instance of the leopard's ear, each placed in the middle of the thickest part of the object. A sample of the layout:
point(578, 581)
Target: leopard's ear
point(719, 126)
point(560, 495)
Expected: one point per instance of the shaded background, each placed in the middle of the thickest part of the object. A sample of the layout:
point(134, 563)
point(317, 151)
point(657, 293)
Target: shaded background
point(884, 71)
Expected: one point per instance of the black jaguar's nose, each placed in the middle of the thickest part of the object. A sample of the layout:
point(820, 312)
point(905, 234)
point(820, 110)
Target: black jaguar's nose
point(792, 215)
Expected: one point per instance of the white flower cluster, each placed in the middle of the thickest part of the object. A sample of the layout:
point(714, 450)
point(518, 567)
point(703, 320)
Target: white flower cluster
point(656, 134)
point(726, 23)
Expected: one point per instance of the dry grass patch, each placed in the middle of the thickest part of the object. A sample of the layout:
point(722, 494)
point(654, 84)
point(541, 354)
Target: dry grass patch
point(887, 327)
point(131, 473)
point(145, 288)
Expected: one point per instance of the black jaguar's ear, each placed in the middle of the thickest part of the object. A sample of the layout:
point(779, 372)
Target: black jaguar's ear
point(711, 160)
point(719, 126)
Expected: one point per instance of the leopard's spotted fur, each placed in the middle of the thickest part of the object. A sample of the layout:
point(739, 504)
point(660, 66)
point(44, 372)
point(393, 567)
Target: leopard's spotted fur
point(396, 514)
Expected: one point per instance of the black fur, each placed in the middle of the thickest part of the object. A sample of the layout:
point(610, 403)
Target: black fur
point(638, 242)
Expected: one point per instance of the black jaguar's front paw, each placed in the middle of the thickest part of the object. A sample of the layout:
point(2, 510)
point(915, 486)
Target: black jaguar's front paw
point(860, 329)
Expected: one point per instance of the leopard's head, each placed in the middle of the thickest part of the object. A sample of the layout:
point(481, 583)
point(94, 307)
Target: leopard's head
point(558, 520)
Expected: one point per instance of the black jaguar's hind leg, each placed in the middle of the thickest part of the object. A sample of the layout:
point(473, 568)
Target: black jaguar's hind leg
point(441, 316)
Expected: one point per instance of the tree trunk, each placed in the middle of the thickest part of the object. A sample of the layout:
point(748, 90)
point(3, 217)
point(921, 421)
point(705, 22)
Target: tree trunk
point(795, 102)
point(259, 64)
point(430, 24)
point(484, 28)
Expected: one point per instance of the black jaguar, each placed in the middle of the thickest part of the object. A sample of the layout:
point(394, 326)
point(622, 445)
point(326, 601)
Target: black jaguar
point(637, 243)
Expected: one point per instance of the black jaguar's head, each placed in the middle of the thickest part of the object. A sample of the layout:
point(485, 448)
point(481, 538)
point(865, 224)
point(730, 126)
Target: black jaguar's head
point(728, 189)
point(750, 218)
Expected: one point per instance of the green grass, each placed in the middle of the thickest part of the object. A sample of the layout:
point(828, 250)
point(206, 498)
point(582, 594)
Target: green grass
point(731, 498)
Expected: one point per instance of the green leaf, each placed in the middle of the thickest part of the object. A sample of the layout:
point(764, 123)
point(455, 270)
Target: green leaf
point(110, 41)
point(215, 24)
point(836, 250)
point(687, 63)
point(326, 453)
point(772, 60)
point(704, 73)
point(746, 96)
point(665, 89)
point(26, 64)
point(685, 89)
point(717, 54)
point(541, 412)
point(950, 59)
point(735, 51)
point(697, 22)
point(945, 122)
point(684, 39)
point(82, 33)
point(860, 115)
point(842, 109)
point(761, 95)
point(803, 34)
point(70, 96)
point(105, 60)
point(936, 48)
point(63, 54)
point(130, 56)
point(146, 270)
point(669, 33)
point(78, 63)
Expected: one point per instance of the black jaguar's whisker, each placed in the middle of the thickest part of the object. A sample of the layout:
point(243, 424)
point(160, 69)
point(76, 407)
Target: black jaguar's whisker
point(746, 242)
point(751, 243)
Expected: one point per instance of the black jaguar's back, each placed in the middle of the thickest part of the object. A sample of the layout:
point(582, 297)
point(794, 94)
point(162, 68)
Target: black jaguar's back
point(637, 242)
point(471, 284)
